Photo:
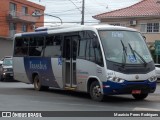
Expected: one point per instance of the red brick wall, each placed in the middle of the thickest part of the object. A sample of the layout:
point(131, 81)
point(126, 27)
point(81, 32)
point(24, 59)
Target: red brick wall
point(31, 8)
point(4, 24)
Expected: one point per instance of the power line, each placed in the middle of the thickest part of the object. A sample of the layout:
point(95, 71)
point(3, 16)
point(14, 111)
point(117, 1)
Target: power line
point(92, 7)
point(65, 10)
point(75, 5)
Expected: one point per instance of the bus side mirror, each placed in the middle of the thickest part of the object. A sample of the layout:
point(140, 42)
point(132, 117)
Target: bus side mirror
point(144, 37)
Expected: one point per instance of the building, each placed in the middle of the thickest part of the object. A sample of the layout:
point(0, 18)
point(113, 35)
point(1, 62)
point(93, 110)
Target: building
point(143, 16)
point(16, 17)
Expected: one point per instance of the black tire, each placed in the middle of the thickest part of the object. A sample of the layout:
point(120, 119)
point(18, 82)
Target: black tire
point(95, 91)
point(140, 96)
point(37, 84)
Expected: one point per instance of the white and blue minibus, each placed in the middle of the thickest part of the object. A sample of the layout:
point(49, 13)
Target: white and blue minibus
point(97, 59)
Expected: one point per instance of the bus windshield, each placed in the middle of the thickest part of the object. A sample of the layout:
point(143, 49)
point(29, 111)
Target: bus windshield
point(126, 47)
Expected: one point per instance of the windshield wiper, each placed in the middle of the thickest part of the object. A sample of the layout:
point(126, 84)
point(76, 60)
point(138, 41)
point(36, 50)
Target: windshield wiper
point(124, 54)
point(134, 51)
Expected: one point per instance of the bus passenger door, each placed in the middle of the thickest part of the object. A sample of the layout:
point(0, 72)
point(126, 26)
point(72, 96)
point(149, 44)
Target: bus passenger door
point(70, 53)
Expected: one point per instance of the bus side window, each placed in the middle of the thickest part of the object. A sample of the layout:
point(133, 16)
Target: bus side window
point(21, 47)
point(75, 40)
point(99, 58)
point(90, 51)
point(17, 47)
point(82, 48)
point(53, 46)
point(36, 46)
point(67, 48)
point(93, 51)
point(97, 50)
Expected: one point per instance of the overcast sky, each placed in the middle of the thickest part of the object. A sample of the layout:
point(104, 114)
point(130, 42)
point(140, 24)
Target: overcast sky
point(70, 10)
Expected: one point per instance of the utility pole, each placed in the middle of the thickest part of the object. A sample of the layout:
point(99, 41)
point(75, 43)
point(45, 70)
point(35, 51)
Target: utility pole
point(82, 22)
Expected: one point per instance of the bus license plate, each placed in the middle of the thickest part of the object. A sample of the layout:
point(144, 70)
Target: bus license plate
point(136, 91)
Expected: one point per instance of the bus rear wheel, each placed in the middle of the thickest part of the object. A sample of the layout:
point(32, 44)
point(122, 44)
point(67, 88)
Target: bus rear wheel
point(37, 84)
point(95, 91)
point(140, 96)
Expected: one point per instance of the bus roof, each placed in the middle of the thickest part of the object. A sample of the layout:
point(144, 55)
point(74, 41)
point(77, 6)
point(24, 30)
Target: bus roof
point(63, 29)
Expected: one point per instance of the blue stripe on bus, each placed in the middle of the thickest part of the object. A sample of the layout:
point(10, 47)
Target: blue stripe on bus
point(34, 34)
point(41, 66)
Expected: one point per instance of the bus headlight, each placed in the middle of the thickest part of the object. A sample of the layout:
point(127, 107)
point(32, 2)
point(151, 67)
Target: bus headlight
point(152, 79)
point(115, 79)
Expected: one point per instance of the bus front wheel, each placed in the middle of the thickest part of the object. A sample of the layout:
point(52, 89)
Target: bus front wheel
point(95, 91)
point(140, 96)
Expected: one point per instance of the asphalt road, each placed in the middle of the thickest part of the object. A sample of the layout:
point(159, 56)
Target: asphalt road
point(16, 96)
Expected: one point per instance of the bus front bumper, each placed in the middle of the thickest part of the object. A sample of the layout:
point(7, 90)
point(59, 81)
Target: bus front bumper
point(127, 87)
